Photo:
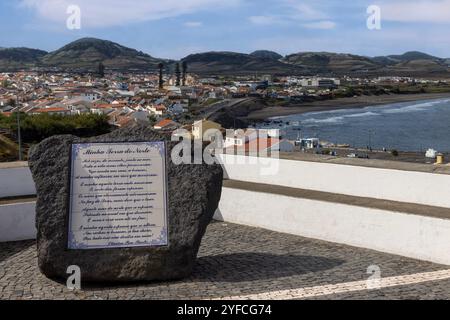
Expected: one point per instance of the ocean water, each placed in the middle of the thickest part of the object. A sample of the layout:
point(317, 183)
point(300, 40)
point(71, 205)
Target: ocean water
point(406, 126)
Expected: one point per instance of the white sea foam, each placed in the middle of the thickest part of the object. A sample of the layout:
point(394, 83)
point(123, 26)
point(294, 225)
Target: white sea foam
point(416, 107)
point(326, 120)
point(339, 119)
point(364, 114)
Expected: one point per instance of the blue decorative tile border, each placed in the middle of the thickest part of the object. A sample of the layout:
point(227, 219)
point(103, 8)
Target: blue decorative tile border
point(162, 238)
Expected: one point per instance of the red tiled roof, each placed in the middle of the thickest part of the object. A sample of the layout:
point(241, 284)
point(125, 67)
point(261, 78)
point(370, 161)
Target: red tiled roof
point(123, 121)
point(164, 123)
point(160, 107)
point(50, 110)
point(259, 144)
point(104, 106)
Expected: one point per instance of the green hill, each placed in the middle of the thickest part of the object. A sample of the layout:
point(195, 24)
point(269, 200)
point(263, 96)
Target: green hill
point(237, 63)
point(327, 62)
point(12, 59)
point(266, 54)
point(87, 53)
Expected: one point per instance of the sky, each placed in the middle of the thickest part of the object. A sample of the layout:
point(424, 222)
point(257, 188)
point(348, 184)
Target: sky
point(176, 28)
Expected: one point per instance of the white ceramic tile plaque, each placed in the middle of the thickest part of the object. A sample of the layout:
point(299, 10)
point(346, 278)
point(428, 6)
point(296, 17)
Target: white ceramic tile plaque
point(118, 195)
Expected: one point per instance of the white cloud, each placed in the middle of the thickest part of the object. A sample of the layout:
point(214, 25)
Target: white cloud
point(193, 24)
point(264, 20)
point(303, 11)
point(105, 13)
point(322, 25)
point(278, 20)
point(295, 12)
point(416, 11)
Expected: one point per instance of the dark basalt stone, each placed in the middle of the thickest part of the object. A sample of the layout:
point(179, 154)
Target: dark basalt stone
point(193, 196)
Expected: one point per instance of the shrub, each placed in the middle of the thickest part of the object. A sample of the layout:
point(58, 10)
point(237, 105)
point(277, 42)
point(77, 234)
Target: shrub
point(35, 128)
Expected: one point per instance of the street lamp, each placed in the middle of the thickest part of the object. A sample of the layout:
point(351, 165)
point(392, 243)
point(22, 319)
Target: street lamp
point(370, 139)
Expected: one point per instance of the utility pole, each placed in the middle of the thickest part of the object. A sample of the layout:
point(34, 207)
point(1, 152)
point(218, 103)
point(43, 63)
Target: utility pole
point(19, 136)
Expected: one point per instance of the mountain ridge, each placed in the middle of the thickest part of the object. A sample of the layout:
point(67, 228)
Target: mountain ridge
point(86, 53)
point(227, 62)
point(89, 52)
point(13, 58)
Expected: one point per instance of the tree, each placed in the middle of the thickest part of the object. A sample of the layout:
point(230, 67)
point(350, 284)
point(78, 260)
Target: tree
point(12, 102)
point(35, 128)
point(161, 80)
point(177, 74)
point(152, 119)
point(101, 70)
point(184, 68)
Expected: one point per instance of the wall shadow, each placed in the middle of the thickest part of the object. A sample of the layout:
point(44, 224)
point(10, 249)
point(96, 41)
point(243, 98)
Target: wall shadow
point(8, 249)
point(251, 266)
point(240, 267)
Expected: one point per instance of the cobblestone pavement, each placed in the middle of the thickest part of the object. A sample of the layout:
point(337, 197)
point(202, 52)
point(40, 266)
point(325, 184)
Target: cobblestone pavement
point(238, 261)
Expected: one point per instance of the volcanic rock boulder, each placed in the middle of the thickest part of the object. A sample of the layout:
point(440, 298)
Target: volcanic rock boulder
point(193, 196)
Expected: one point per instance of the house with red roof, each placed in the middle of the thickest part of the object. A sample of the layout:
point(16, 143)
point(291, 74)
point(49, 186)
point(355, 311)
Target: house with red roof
point(51, 110)
point(166, 124)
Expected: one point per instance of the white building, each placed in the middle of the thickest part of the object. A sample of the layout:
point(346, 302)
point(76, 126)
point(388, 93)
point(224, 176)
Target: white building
point(320, 82)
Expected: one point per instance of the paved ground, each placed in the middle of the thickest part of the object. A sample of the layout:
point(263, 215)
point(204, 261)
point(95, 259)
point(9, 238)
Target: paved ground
point(242, 262)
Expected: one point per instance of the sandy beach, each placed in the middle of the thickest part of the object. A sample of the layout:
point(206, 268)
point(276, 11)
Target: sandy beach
point(341, 103)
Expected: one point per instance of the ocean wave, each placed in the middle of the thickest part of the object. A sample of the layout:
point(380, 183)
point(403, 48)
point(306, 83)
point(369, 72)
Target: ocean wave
point(416, 107)
point(364, 114)
point(340, 119)
point(326, 120)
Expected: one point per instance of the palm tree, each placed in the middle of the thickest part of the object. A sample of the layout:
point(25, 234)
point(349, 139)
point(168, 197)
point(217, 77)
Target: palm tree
point(101, 70)
point(184, 68)
point(177, 74)
point(161, 81)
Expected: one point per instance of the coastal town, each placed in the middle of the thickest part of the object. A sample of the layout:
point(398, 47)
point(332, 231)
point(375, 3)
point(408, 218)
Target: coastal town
point(173, 99)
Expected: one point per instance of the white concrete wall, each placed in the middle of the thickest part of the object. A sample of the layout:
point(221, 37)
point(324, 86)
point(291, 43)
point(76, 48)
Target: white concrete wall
point(405, 186)
point(17, 221)
point(16, 182)
point(407, 235)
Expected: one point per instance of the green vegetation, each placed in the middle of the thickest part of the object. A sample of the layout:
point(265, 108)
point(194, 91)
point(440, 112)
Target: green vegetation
point(185, 119)
point(35, 128)
point(277, 102)
point(9, 150)
point(152, 120)
point(352, 91)
point(209, 102)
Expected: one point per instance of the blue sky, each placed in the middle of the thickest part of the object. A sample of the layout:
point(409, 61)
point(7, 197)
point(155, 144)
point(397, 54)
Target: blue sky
point(175, 28)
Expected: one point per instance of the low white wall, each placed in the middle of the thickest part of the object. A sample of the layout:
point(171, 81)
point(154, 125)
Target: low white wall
point(396, 185)
point(407, 235)
point(17, 221)
point(16, 182)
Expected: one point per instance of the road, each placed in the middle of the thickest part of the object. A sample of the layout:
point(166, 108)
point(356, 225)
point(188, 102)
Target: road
point(219, 106)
